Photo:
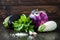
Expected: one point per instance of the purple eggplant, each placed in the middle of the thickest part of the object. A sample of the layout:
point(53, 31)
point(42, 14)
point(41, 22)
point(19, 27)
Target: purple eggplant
point(38, 18)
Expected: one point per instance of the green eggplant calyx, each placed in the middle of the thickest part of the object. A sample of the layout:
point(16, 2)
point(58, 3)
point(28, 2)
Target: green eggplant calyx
point(5, 23)
point(41, 28)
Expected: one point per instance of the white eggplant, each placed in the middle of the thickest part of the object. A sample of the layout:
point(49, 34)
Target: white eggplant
point(48, 26)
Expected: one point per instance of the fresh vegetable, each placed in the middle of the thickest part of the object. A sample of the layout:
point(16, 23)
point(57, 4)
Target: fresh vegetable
point(38, 18)
point(48, 26)
point(23, 24)
point(8, 20)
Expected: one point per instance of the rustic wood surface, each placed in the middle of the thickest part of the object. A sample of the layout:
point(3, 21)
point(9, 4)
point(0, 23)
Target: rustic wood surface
point(29, 2)
point(10, 7)
point(52, 11)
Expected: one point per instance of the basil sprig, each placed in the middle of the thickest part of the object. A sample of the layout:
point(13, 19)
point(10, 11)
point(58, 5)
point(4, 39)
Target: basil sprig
point(23, 24)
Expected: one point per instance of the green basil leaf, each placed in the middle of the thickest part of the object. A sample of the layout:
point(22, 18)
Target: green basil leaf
point(23, 18)
point(31, 30)
point(18, 28)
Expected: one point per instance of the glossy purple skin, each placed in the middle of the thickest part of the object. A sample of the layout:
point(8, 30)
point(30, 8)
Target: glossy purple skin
point(40, 19)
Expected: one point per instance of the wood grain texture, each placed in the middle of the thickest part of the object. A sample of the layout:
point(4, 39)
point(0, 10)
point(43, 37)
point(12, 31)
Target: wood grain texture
point(52, 11)
point(10, 7)
point(30, 2)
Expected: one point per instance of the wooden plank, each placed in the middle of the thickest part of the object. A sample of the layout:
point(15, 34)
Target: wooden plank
point(52, 11)
point(30, 2)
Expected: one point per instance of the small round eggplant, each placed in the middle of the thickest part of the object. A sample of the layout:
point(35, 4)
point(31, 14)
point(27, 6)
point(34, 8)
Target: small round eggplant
point(48, 26)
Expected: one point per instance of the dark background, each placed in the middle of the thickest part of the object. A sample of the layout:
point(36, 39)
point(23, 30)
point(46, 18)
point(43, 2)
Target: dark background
point(11, 7)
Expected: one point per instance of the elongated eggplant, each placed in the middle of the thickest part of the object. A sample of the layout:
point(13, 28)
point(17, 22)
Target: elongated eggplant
point(8, 21)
